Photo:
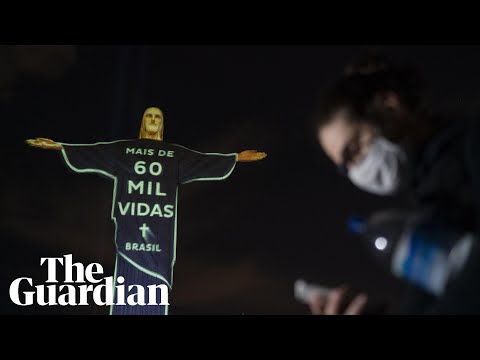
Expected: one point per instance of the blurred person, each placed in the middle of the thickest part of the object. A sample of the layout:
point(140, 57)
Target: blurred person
point(377, 128)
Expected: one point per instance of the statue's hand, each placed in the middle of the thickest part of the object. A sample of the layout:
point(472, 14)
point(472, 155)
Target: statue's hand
point(251, 155)
point(44, 144)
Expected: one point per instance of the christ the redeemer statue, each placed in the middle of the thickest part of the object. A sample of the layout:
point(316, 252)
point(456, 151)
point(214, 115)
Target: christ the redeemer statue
point(146, 173)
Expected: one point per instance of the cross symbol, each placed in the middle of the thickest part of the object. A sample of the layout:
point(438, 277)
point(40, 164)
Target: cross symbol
point(144, 228)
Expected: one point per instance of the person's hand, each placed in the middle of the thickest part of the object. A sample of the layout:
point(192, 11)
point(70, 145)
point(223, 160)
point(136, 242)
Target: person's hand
point(333, 303)
point(251, 155)
point(44, 144)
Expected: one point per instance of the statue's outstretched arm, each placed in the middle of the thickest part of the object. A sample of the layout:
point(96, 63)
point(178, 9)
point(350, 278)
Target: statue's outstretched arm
point(251, 155)
point(44, 144)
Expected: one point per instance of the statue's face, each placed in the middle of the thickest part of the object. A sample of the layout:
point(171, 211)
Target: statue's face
point(153, 121)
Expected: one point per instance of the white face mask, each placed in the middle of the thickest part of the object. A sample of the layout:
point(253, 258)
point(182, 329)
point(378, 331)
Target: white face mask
point(383, 169)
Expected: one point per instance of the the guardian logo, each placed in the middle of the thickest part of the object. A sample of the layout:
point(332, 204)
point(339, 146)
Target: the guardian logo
point(78, 294)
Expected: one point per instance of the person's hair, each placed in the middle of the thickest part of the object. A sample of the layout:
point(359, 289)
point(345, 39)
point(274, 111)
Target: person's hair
point(362, 80)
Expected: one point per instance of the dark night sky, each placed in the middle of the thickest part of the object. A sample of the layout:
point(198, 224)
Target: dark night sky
point(241, 242)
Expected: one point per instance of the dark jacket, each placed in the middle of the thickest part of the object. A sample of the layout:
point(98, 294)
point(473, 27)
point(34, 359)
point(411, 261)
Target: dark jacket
point(447, 178)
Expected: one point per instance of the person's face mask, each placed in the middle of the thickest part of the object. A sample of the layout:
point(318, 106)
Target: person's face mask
point(384, 169)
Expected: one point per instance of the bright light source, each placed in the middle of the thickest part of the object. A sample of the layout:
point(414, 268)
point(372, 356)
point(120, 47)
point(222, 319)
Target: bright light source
point(381, 243)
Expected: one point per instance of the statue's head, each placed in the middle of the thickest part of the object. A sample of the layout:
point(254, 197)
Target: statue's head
point(152, 124)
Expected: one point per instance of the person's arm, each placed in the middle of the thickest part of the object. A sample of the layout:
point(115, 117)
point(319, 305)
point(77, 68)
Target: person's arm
point(462, 296)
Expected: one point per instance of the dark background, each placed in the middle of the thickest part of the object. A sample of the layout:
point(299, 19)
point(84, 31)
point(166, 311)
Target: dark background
point(242, 242)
